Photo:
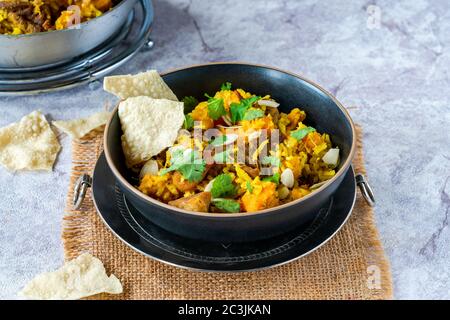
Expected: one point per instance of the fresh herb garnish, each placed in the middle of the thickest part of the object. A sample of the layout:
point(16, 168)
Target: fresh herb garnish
point(238, 110)
point(275, 178)
point(272, 160)
point(249, 186)
point(215, 107)
point(189, 164)
point(301, 133)
point(253, 114)
point(189, 103)
point(227, 205)
point(188, 122)
point(223, 186)
point(225, 86)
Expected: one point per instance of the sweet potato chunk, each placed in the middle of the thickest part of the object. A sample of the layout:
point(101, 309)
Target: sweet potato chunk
point(182, 183)
point(261, 199)
point(197, 202)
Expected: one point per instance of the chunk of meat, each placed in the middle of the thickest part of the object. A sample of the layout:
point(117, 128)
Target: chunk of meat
point(295, 116)
point(214, 169)
point(198, 202)
point(274, 113)
point(103, 5)
point(252, 172)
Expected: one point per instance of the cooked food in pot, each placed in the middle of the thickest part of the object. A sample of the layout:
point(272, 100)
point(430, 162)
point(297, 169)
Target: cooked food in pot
point(30, 16)
point(236, 152)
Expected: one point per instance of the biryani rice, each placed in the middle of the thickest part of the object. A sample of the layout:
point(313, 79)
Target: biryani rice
point(301, 155)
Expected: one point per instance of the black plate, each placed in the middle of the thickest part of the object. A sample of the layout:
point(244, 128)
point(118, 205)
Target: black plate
point(129, 225)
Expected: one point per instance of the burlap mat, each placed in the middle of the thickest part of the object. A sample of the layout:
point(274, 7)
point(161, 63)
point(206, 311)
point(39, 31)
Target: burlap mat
point(352, 265)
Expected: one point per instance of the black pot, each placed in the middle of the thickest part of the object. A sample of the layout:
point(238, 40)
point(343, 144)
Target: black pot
point(323, 111)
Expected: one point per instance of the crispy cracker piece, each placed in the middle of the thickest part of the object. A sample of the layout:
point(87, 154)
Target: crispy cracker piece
point(82, 277)
point(149, 84)
point(149, 126)
point(29, 144)
point(78, 128)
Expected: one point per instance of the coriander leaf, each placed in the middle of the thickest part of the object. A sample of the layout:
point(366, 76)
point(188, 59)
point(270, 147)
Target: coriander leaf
point(223, 186)
point(253, 114)
point(216, 108)
point(274, 161)
point(227, 205)
point(238, 110)
point(301, 133)
point(189, 164)
point(275, 178)
point(223, 157)
point(166, 170)
point(250, 101)
point(249, 186)
point(189, 103)
point(220, 140)
point(193, 172)
point(225, 86)
point(188, 122)
point(176, 158)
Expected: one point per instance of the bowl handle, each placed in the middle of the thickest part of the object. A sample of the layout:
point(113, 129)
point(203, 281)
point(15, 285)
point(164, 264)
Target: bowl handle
point(366, 189)
point(79, 191)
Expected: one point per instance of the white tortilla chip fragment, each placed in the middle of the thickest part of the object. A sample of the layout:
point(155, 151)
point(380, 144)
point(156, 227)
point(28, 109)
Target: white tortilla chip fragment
point(149, 126)
point(149, 84)
point(82, 277)
point(29, 144)
point(78, 128)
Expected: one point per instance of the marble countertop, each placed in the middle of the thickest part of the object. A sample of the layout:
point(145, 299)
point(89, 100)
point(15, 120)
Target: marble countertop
point(389, 63)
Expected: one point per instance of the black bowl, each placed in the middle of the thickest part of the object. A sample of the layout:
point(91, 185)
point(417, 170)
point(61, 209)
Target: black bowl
point(323, 111)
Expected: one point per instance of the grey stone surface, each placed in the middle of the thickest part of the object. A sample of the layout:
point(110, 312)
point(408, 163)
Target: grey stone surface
point(393, 77)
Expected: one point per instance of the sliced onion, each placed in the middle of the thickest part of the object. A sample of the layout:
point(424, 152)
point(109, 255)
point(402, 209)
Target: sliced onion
point(187, 152)
point(230, 127)
point(183, 132)
point(150, 167)
point(317, 185)
point(287, 178)
point(173, 149)
point(254, 135)
point(209, 186)
point(268, 103)
point(231, 138)
point(227, 120)
point(283, 192)
point(331, 157)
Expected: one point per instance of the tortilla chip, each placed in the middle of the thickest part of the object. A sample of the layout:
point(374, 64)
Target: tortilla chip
point(78, 128)
point(148, 84)
point(149, 126)
point(82, 277)
point(29, 144)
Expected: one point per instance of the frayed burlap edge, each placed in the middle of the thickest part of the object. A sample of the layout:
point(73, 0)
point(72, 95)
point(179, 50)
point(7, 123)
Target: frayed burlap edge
point(83, 232)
